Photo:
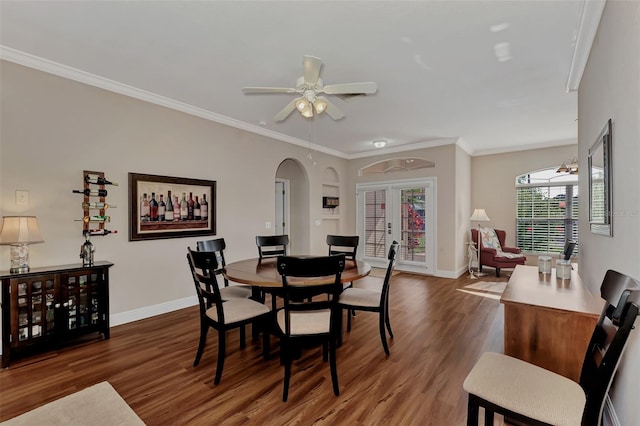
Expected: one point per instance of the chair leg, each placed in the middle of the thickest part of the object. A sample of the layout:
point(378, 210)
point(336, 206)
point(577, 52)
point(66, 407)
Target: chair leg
point(334, 367)
point(383, 336)
point(204, 328)
point(285, 358)
point(349, 320)
point(325, 352)
point(386, 319)
point(488, 417)
point(243, 337)
point(221, 353)
point(497, 272)
point(472, 411)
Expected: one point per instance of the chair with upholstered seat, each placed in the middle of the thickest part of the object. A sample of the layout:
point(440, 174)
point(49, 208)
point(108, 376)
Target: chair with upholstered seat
point(227, 291)
point(527, 393)
point(304, 321)
point(222, 315)
point(493, 252)
point(272, 245)
point(361, 299)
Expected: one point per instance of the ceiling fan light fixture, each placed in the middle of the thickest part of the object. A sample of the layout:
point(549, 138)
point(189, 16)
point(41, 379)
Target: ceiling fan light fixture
point(302, 104)
point(319, 105)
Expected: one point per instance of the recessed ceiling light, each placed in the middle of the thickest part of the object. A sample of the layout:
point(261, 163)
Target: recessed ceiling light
point(502, 51)
point(380, 143)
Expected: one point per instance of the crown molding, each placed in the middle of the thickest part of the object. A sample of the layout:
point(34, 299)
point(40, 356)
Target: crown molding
point(45, 65)
point(588, 22)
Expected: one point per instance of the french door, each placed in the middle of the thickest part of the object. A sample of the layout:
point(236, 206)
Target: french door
point(402, 211)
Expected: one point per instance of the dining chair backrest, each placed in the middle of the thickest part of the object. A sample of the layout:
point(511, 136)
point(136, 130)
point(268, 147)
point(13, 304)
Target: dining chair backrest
point(391, 256)
point(216, 246)
point(568, 249)
point(297, 297)
point(343, 244)
point(622, 298)
point(272, 245)
point(203, 265)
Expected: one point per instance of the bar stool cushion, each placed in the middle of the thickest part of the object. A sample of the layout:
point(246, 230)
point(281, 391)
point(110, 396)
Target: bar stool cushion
point(526, 389)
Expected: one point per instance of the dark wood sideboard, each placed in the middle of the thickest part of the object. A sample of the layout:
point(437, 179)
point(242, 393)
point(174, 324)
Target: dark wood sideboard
point(49, 307)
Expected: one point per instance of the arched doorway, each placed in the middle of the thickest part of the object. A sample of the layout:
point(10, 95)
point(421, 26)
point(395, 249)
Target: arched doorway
point(292, 209)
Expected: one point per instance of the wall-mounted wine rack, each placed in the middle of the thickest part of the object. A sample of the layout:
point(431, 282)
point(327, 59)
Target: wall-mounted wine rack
point(94, 201)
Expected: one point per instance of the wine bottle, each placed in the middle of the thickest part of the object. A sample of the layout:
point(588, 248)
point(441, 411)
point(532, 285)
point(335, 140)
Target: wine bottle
point(91, 192)
point(168, 213)
point(98, 180)
point(144, 209)
point(196, 210)
point(162, 208)
point(204, 208)
point(101, 232)
point(176, 209)
point(190, 205)
point(97, 205)
point(153, 208)
point(94, 218)
point(184, 209)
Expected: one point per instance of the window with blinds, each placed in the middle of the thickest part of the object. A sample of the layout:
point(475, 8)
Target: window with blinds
point(374, 223)
point(546, 211)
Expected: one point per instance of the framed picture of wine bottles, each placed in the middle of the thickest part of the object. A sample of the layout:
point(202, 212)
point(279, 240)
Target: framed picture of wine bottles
point(170, 207)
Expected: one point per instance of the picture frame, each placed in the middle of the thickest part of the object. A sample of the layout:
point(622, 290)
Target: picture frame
point(148, 221)
point(600, 198)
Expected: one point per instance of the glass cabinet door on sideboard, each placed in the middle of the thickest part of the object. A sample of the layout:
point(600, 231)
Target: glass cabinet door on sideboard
point(48, 307)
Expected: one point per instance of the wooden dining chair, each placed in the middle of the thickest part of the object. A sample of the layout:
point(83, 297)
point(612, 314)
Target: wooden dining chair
point(272, 245)
point(532, 395)
point(360, 299)
point(227, 291)
point(304, 321)
point(222, 315)
point(344, 244)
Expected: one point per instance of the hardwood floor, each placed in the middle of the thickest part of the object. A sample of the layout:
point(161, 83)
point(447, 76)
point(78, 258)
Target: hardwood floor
point(439, 334)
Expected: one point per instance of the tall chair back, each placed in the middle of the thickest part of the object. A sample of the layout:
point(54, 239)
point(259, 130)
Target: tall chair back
point(342, 244)
point(304, 320)
point(272, 245)
point(216, 246)
point(622, 299)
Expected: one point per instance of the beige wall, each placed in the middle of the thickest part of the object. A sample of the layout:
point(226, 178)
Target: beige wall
point(493, 182)
point(53, 129)
point(610, 88)
point(448, 260)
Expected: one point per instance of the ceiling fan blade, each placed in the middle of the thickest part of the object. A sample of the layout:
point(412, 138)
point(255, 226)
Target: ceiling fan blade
point(311, 67)
point(333, 111)
point(286, 110)
point(363, 87)
point(268, 90)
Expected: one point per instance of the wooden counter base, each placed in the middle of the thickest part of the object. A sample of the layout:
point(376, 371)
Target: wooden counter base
point(548, 322)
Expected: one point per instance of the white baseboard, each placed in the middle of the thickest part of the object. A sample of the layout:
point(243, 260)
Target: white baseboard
point(151, 311)
point(610, 418)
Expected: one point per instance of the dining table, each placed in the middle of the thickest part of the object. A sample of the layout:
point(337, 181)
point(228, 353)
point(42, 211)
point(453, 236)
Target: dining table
point(263, 273)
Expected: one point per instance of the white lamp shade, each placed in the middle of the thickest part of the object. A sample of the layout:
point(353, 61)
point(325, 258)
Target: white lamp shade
point(20, 230)
point(479, 215)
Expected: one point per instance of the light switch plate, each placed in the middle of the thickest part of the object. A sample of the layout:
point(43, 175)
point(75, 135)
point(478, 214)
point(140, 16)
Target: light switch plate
point(22, 198)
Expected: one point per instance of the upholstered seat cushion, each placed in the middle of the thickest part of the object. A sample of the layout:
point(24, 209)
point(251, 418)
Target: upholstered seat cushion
point(305, 323)
point(235, 292)
point(526, 389)
point(360, 297)
point(236, 310)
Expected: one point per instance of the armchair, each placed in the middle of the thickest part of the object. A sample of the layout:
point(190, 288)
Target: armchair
point(493, 252)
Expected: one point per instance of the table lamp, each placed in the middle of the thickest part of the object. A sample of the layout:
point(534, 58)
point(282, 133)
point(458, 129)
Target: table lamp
point(18, 232)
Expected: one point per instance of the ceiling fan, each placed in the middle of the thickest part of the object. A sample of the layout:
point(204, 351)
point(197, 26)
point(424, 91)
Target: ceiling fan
point(309, 86)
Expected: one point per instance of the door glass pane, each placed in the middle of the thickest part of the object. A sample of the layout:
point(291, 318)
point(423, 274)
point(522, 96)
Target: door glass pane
point(375, 221)
point(412, 224)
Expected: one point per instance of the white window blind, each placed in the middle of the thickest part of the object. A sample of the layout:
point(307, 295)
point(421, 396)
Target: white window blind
point(546, 212)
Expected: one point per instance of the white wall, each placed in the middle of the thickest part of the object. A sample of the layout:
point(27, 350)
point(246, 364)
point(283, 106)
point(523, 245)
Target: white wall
point(53, 129)
point(610, 88)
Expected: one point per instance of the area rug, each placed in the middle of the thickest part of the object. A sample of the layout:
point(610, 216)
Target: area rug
point(381, 272)
point(492, 290)
point(96, 406)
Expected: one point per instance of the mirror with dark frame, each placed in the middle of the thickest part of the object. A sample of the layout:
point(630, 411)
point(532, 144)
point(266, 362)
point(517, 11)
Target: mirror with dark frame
point(600, 183)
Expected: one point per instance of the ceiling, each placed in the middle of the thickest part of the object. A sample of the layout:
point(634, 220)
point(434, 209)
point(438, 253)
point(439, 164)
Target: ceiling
point(440, 78)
